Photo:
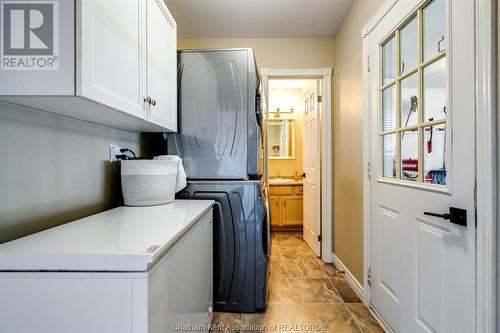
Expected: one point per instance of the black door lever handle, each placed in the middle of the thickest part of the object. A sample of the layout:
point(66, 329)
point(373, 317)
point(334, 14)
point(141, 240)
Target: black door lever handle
point(445, 216)
point(456, 216)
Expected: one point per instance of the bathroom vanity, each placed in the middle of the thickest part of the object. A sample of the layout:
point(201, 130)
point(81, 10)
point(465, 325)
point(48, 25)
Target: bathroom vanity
point(286, 203)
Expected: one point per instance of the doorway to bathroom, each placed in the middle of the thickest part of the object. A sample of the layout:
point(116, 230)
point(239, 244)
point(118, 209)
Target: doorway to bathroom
point(297, 104)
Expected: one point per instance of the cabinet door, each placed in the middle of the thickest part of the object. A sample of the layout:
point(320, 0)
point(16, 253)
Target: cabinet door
point(180, 284)
point(275, 210)
point(162, 65)
point(111, 65)
point(293, 210)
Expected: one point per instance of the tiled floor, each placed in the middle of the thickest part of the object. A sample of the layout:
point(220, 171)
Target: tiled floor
point(305, 295)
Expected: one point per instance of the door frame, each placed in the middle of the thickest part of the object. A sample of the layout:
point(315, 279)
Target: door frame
point(324, 74)
point(486, 159)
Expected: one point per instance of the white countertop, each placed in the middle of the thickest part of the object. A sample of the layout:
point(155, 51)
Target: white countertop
point(114, 240)
point(285, 182)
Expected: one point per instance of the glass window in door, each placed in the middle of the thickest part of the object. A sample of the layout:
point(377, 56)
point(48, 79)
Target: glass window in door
point(413, 91)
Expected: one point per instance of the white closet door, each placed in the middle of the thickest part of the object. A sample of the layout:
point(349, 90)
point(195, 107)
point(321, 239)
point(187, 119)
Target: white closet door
point(312, 179)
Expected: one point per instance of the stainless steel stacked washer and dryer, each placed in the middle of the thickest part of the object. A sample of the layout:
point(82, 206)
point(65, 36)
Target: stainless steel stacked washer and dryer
point(220, 140)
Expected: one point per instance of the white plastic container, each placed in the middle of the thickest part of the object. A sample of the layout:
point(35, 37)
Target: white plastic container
point(148, 182)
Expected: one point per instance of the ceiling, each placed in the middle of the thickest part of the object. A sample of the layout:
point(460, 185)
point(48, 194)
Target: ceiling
point(258, 18)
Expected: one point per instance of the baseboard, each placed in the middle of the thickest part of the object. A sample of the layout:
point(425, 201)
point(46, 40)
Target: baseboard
point(351, 280)
point(360, 291)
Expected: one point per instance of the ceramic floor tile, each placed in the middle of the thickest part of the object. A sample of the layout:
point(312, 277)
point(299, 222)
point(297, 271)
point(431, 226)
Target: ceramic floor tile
point(330, 269)
point(226, 322)
point(276, 254)
point(277, 270)
point(303, 268)
point(279, 292)
point(291, 242)
point(364, 318)
point(275, 319)
point(288, 234)
point(297, 253)
point(317, 290)
point(303, 291)
point(344, 289)
point(333, 318)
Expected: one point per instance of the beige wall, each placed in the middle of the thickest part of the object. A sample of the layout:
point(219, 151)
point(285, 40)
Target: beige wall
point(348, 137)
point(275, 53)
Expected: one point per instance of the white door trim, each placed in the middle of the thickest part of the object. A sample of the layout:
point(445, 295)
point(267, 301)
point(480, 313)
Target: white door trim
point(486, 69)
point(486, 105)
point(377, 17)
point(326, 136)
point(366, 170)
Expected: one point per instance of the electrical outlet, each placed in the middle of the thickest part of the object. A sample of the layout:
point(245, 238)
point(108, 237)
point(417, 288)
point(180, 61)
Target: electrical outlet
point(113, 151)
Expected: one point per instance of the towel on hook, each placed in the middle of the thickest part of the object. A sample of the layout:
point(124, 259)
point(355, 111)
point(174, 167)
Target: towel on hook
point(181, 173)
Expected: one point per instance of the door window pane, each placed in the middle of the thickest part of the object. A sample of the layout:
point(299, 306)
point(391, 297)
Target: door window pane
point(389, 157)
point(435, 154)
point(409, 155)
point(409, 46)
point(389, 109)
point(435, 91)
point(389, 61)
point(413, 95)
point(409, 101)
point(434, 26)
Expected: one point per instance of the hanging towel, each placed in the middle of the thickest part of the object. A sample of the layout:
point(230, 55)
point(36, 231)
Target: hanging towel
point(181, 173)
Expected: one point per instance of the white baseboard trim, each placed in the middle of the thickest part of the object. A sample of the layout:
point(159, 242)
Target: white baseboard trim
point(351, 280)
point(360, 291)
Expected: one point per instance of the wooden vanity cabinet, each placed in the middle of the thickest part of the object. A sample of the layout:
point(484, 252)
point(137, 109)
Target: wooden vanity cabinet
point(286, 205)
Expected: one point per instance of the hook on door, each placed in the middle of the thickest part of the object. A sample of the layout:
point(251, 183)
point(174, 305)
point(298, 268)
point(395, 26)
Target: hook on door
point(439, 44)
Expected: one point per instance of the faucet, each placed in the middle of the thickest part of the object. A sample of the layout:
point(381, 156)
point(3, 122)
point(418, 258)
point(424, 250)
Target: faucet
point(278, 174)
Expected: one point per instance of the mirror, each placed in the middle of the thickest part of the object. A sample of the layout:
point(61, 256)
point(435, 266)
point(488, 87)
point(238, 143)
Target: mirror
point(281, 139)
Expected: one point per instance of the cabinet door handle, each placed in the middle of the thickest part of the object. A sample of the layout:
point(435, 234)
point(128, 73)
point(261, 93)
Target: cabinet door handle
point(147, 99)
point(153, 102)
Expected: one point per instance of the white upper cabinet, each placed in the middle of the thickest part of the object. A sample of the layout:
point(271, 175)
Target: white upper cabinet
point(116, 65)
point(161, 65)
point(111, 60)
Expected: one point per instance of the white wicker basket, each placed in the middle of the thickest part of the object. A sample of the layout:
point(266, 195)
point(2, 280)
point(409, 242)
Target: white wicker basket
point(148, 182)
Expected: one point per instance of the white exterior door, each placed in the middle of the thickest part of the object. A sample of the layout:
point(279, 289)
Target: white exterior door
point(421, 92)
point(312, 165)
point(162, 65)
point(111, 64)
